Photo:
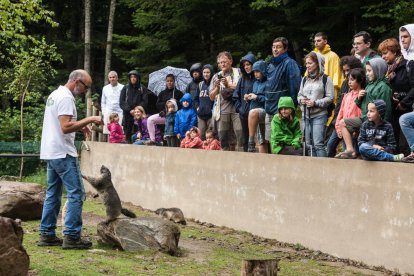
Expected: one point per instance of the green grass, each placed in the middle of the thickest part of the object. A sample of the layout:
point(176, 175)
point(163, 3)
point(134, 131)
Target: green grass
point(222, 251)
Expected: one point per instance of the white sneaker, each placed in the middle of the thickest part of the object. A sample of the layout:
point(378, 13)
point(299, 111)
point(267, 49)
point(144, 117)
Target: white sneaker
point(398, 157)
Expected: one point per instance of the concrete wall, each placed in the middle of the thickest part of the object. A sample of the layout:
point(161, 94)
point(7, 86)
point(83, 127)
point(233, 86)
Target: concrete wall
point(348, 208)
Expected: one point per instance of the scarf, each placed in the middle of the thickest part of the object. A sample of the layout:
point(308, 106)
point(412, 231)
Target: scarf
point(391, 68)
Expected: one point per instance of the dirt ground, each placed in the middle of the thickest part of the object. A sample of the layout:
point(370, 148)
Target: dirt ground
point(199, 248)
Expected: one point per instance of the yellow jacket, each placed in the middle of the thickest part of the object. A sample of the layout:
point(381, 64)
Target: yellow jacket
point(332, 69)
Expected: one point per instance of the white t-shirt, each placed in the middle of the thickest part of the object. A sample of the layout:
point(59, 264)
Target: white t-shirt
point(55, 144)
point(110, 98)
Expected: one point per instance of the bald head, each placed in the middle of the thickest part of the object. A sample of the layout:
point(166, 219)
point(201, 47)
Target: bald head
point(79, 81)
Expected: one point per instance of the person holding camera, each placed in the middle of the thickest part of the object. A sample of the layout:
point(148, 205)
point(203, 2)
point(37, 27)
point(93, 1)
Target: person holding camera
point(222, 87)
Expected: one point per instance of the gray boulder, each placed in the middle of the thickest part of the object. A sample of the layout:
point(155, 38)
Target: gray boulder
point(137, 234)
point(21, 200)
point(13, 257)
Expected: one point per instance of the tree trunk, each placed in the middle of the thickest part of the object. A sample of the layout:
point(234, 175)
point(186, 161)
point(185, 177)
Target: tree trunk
point(109, 40)
point(259, 268)
point(87, 56)
point(22, 128)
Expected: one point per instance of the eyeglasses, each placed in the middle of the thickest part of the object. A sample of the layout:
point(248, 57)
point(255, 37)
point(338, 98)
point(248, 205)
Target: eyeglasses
point(357, 43)
point(87, 87)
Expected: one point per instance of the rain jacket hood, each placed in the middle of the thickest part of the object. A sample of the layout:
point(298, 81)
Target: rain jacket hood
point(174, 102)
point(408, 53)
point(321, 62)
point(197, 67)
point(187, 97)
point(324, 51)
point(136, 73)
point(285, 102)
point(261, 67)
point(250, 58)
point(379, 66)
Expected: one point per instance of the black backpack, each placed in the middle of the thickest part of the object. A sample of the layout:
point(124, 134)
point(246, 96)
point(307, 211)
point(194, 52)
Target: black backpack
point(331, 106)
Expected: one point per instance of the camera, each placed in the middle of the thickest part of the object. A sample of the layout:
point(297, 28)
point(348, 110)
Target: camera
point(220, 76)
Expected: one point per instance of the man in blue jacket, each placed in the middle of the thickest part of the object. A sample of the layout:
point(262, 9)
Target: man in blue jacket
point(283, 79)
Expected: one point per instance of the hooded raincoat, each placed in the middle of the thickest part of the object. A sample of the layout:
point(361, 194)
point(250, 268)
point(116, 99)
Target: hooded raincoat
point(186, 117)
point(408, 53)
point(376, 89)
point(283, 79)
point(244, 86)
point(285, 131)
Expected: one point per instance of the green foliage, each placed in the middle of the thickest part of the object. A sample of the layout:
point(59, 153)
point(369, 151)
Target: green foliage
point(261, 4)
point(389, 16)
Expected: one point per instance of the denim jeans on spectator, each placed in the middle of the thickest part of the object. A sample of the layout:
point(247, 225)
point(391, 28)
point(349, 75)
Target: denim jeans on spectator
point(63, 172)
point(368, 152)
point(407, 127)
point(317, 127)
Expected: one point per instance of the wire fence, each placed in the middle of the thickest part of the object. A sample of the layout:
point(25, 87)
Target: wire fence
point(11, 157)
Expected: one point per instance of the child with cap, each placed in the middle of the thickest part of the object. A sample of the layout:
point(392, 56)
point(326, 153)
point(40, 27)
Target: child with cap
point(376, 137)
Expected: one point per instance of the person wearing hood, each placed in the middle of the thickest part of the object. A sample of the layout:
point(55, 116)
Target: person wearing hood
point(170, 92)
point(256, 100)
point(315, 95)
point(407, 41)
point(244, 86)
point(205, 104)
point(377, 88)
point(332, 67)
point(376, 138)
point(185, 118)
point(406, 121)
point(132, 95)
point(400, 75)
point(283, 79)
point(192, 139)
point(196, 72)
point(171, 107)
point(286, 135)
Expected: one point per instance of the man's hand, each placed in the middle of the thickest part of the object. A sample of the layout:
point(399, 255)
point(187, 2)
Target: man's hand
point(378, 147)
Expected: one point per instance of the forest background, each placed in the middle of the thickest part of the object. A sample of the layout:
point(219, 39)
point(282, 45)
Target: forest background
point(41, 42)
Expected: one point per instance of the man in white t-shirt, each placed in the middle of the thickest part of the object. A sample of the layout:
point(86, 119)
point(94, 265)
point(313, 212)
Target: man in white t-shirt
point(110, 99)
point(58, 149)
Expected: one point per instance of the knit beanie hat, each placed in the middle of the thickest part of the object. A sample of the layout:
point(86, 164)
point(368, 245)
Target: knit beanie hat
point(381, 106)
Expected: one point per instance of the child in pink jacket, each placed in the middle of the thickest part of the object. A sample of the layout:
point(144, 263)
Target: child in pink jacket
point(116, 134)
point(211, 142)
point(192, 139)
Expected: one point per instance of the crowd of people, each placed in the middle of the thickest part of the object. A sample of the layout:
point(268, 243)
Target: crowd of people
point(356, 106)
point(364, 100)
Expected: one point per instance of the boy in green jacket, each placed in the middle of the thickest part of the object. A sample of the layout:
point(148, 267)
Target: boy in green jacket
point(286, 135)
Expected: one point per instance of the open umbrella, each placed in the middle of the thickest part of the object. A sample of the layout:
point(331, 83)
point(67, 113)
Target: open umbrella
point(156, 81)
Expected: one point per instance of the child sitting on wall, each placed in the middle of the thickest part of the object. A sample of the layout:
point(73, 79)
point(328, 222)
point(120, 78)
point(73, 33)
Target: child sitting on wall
point(211, 142)
point(286, 135)
point(140, 122)
point(192, 139)
point(376, 137)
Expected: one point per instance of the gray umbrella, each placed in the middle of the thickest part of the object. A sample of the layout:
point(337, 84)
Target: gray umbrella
point(156, 81)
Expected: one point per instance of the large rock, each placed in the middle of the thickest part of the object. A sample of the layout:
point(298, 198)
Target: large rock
point(21, 200)
point(13, 257)
point(137, 234)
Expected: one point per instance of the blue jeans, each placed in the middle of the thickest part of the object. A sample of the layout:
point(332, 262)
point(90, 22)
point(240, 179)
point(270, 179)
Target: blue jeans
point(64, 171)
point(316, 126)
point(368, 152)
point(407, 127)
